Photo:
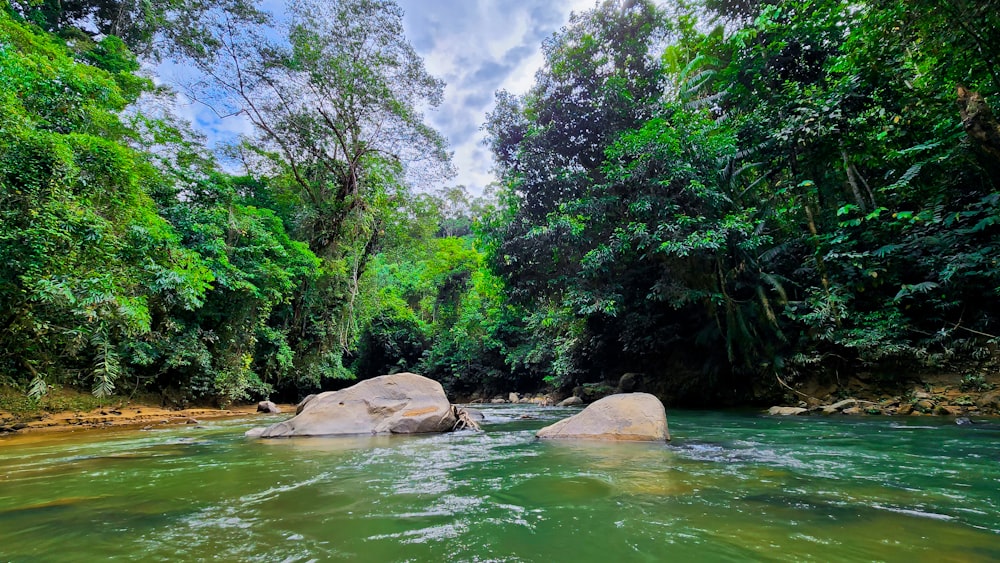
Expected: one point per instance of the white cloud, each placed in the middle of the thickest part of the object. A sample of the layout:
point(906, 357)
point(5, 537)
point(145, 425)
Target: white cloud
point(476, 46)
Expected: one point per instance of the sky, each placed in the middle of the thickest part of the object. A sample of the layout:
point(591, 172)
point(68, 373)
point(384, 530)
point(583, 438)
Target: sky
point(476, 46)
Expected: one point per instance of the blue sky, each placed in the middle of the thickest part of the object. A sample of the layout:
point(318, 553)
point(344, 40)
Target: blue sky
point(476, 46)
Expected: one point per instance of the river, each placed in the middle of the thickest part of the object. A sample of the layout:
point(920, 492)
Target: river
point(729, 487)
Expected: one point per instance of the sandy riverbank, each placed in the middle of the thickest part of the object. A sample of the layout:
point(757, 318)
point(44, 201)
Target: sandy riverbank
point(133, 415)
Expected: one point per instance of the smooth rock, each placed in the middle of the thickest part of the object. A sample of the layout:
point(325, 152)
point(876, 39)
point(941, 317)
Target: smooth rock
point(255, 432)
point(513, 398)
point(628, 382)
point(622, 417)
point(570, 401)
point(786, 411)
point(268, 407)
point(302, 404)
point(498, 401)
point(402, 403)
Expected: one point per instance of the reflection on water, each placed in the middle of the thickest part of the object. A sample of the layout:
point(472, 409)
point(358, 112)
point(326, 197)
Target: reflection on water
point(729, 487)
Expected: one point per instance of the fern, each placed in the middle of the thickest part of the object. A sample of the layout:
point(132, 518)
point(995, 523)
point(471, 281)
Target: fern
point(38, 388)
point(107, 368)
point(907, 289)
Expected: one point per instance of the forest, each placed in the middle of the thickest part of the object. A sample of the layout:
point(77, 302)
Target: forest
point(726, 196)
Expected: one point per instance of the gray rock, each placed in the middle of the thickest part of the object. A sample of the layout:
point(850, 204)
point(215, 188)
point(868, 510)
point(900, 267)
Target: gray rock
point(570, 401)
point(786, 411)
point(302, 404)
point(498, 401)
point(402, 403)
point(268, 407)
point(255, 432)
point(622, 417)
point(628, 382)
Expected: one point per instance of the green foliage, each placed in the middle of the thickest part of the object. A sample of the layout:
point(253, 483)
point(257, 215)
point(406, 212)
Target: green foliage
point(120, 263)
point(974, 382)
point(803, 198)
point(71, 208)
point(711, 194)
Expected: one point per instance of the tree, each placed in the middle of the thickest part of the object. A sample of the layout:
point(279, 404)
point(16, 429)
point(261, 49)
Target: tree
point(83, 249)
point(600, 80)
point(150, 28)
point(337, 108)
point(344, 94)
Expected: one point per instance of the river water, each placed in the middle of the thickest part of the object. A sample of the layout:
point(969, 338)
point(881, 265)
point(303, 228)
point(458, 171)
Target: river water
point(729, 487)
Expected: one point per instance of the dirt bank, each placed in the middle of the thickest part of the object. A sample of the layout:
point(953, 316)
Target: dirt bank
point(132, 415)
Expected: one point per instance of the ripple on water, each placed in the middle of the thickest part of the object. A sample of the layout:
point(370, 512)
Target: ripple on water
point(730, 487)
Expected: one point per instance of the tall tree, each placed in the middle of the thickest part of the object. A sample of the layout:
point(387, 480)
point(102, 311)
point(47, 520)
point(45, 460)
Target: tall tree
point(337, 107)
point(344, 93)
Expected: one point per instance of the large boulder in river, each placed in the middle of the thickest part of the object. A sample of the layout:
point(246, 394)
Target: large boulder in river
point(625, 417)
point(403, 403)
point(268, 407)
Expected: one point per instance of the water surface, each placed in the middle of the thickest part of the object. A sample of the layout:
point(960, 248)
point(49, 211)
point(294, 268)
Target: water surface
point(729, 487)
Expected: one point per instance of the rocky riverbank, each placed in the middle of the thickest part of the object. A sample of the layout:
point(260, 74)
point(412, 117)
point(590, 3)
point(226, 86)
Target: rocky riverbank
point(945, 395)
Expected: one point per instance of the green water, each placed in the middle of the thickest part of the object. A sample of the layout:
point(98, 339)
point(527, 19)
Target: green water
point(730, 487)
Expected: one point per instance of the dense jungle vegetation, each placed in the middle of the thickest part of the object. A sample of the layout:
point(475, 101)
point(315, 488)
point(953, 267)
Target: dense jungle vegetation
point(721, 195)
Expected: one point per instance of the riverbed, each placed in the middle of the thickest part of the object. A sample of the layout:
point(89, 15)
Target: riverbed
point(729, 487)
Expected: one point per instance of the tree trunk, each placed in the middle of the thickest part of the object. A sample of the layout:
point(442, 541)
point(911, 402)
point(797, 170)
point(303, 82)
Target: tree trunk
point(979, 122)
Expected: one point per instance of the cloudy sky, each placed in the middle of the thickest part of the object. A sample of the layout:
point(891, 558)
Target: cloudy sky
point(476, 46)
point(479, 47)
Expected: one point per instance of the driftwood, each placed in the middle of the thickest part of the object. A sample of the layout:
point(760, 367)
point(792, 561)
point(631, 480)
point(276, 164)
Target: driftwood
point(463, 421)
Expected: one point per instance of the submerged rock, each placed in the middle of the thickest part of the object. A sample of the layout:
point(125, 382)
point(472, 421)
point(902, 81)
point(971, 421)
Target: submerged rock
point(623, 417)
point(403, 403)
